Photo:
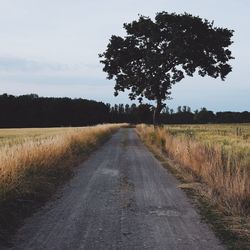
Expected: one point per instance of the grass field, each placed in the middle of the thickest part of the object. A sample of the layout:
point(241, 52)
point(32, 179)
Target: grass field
point(42, 148)
point(213, 160)
point(34, 161)
point(17, 136)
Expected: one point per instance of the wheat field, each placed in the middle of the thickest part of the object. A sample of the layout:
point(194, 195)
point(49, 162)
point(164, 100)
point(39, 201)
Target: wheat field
point(30, 156)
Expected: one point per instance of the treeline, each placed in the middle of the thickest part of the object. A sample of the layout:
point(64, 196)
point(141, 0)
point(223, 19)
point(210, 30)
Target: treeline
point(183, 115)
point(34, 111)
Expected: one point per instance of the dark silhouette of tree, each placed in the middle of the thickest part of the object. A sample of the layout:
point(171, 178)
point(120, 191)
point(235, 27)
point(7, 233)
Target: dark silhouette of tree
point(143, 113)
point(179, 109)
point(204, 116)
point(34, 111)
point(182, 116)
point(166, 110)
point(155, 54)
point(233, 117)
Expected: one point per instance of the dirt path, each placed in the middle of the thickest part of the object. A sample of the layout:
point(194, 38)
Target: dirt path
point(120, 198)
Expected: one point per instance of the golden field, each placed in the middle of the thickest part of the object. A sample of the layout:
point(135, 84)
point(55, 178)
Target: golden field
point(31, 156)
point(35, 161)
point(217, 156)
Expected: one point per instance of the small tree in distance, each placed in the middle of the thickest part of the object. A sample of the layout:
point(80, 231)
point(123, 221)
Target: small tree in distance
point(154, 55)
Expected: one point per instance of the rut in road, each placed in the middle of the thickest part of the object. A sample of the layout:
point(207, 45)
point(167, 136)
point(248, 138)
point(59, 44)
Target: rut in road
point(120, 198)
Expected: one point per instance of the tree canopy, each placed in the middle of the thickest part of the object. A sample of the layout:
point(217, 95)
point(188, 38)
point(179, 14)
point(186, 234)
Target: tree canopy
point(156, 54)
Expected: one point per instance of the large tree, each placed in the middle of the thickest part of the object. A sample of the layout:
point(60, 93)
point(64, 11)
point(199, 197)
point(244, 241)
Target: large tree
point(155, 54)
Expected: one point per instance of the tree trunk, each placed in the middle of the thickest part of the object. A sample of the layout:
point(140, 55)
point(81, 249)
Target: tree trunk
point(157, 111)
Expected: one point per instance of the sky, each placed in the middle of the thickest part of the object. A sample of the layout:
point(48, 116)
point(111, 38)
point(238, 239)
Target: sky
point(51, 47)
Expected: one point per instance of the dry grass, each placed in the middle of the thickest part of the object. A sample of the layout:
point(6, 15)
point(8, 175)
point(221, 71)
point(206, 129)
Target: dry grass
point(23, 151)
point(217, 155)
point(34, 161)
point(214, 162)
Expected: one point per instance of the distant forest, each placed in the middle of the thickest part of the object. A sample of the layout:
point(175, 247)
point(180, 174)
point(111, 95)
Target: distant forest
point(34, 111)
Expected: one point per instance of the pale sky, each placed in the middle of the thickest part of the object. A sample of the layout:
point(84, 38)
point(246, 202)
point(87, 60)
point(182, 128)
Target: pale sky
point(50, 47)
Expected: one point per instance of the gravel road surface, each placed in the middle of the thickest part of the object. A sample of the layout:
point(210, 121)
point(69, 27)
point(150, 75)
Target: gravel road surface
point(120, 198)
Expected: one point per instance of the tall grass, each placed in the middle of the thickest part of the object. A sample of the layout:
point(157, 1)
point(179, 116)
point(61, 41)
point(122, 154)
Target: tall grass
point(47, 151)
point(216, 155)
point(33, 162)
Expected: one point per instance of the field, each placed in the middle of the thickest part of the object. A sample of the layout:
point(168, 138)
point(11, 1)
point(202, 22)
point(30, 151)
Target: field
point(34, 161)
point(23, 151)
point(213, 160)
point(218, 155)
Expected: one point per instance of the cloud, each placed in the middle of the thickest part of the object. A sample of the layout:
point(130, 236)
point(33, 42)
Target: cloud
point(20, 68)
point(51, 48)
point(12, 64)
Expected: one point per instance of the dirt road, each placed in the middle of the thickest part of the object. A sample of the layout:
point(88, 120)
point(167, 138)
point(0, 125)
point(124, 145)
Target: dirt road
point(120, 198)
